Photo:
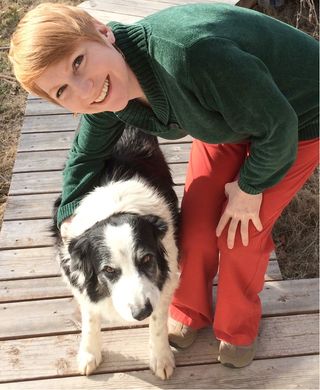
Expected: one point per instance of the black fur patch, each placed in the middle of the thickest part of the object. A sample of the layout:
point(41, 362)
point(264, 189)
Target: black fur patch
point(135, 154)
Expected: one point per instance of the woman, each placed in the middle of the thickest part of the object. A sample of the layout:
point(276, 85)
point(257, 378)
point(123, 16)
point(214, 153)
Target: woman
point(242, 84)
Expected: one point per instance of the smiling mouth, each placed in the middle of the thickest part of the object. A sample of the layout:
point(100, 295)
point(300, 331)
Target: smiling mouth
point(104, 92)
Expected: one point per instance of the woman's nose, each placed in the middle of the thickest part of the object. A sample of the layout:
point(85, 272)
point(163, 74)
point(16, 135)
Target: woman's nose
point(84, 88)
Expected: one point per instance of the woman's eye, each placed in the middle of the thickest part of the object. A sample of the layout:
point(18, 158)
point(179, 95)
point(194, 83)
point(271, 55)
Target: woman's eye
point(77, 62)
point(60, 91)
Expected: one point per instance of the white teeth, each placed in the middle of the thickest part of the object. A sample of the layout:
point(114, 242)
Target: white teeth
point(104, 91)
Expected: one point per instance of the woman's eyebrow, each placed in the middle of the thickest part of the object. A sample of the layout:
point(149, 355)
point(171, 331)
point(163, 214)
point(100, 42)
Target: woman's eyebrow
point(53, 89)
point(69, 60)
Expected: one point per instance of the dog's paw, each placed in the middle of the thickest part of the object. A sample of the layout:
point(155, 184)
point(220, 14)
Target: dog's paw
point(88, 361)
point(162, 363)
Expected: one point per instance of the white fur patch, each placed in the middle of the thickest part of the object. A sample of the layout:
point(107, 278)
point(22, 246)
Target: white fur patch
point(133, 196)
point(132, 289)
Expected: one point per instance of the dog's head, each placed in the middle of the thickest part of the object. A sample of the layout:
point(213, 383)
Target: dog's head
point(122, 257)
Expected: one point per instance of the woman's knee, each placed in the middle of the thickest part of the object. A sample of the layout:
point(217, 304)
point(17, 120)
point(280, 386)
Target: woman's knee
point(258, 242)
point(199, 253)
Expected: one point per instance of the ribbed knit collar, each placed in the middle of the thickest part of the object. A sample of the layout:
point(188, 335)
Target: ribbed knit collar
point(132, 41)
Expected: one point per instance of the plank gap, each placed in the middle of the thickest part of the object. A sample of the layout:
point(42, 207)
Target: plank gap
point(145, 369)
point(25, 247)
point(42, 171)
point(37, 299)
point(46, 114)
point(30, 278)
point(63, 333)
point(293, 313)
point(130, 326)
point(13, 219)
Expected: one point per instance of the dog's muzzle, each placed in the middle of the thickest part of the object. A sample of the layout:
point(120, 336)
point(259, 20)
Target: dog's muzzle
point(139, 313)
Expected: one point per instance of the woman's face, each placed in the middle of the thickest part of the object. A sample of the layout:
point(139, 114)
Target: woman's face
point(94, 78)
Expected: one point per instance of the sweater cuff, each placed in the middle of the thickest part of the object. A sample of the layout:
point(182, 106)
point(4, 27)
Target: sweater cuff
point(66, 211)
point(247, 188)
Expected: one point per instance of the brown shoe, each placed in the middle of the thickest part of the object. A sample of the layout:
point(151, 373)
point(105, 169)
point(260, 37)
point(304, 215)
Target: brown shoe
point(236, 356)
point(180, 335)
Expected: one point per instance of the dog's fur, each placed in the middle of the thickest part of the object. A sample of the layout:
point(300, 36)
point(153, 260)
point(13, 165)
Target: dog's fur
point(119, 254)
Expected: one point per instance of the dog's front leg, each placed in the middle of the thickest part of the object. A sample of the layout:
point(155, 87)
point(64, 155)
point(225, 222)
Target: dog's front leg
point(89, 356)
point(161, 357)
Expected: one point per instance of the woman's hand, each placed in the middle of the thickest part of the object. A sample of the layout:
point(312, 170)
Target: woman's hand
point(241, 207)
point(64, 228)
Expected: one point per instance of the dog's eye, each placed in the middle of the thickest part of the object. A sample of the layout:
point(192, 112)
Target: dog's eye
point(109, 270)
point(146, 259)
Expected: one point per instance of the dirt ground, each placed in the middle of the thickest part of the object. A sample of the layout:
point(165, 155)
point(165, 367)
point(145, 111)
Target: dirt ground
point(296, 232)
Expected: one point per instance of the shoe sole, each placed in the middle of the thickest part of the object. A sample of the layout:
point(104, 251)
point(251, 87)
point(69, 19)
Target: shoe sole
point(177, 346)
point(230, 365)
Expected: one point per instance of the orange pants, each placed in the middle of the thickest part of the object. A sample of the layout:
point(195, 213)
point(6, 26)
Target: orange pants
point(241, 269)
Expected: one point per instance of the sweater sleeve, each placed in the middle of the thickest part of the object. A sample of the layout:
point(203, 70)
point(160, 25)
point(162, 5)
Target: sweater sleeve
point(92, 145)
point(239, 88)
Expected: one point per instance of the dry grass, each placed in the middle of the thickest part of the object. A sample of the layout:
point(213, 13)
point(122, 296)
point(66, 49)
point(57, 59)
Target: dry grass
point(12, 103)
point(302, 14)
point(12, 97)
point(296, 232)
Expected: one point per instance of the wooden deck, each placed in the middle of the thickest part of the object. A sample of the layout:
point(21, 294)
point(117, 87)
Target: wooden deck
point(40, 322)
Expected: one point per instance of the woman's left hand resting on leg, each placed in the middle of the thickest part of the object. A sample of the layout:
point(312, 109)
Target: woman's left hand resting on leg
point(241, 207)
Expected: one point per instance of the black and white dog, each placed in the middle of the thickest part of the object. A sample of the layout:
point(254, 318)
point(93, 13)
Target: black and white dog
point(120, 253)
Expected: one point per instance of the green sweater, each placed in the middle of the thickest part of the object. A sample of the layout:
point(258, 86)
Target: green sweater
point(219, 73)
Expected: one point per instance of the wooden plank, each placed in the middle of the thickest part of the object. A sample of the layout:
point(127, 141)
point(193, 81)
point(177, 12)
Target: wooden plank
point(36, 206)
point(39, 206)
point(54, 287)
point(45, 141)
point(32, 289)
point(291, 296)
point(128, 13)
point(58, 316)
point(32, 142)
point(48, 182)
point(106, 17)
point(279, 337)
point(46, 317)
point(126, 7)
point(56, 159)
point(26, 234)
point(41, 263)
point(42, 107)
point(40, 161)
point(280, 373)
point(28, 263)
point(177, 2)
point(134, 7)
point(35, 183)
point(276, 274)
point(49, 123)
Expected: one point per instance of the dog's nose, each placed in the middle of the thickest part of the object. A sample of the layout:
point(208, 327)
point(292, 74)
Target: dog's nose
point(140, 314)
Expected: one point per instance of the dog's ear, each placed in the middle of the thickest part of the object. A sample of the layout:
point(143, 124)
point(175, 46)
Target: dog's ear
point(81, 252)
point(158, 223)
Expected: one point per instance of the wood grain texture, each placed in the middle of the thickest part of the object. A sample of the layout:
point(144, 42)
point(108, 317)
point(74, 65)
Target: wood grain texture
point(60, 316)
point(279, 336)
point(40, 321)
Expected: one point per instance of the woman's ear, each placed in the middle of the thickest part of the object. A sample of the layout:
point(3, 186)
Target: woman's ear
point(105, 31)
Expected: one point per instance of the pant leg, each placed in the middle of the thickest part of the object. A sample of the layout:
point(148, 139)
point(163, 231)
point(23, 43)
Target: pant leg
point(242, 269)
point(210, 168)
